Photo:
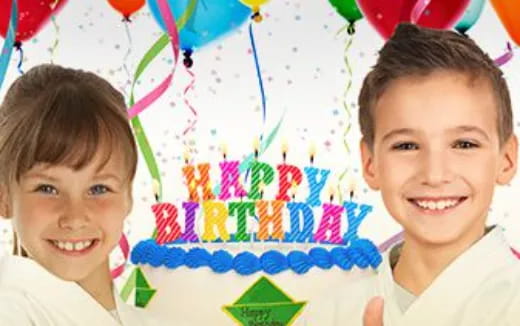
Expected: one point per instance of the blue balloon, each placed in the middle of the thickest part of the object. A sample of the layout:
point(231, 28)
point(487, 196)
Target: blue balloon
point(210, 20)
point(470, 16)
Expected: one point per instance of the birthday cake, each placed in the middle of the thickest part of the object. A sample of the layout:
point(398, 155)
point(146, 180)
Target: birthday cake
point(228, 256)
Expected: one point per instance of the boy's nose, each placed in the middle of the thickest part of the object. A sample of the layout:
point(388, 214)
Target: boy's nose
point(74, 216)
point(435, 169)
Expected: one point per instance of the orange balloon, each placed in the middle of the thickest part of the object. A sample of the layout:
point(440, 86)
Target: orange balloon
point(126, 7)
point(509, 13)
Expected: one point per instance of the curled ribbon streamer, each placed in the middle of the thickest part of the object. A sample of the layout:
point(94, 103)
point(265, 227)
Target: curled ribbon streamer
point(504, 58)
point(192, 109)
point(346, 106)
point(19, 66)
point(125, 248)
point(128, 51)
point(57, 34)
point(7, 48)
point(258, 71)
point(418, 10)
point(145, 102)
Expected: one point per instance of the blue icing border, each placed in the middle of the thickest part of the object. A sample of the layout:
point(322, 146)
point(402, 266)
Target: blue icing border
point(361, 252)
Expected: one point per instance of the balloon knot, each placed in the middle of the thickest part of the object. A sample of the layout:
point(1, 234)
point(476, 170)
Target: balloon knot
point(126, 18)
point(188, 61)
point(351, 29)
point(257, 17)
point(18, 45)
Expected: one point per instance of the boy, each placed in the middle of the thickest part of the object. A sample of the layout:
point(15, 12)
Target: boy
point(436, 120)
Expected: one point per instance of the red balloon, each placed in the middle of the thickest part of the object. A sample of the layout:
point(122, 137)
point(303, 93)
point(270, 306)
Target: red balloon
point(126, 7)
point(32, 16)
point(385, 15)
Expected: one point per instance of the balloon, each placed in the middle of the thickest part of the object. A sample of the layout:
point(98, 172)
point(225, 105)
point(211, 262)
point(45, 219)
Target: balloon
point(470, 16)
point(126, 7)
point(32, 16)
point(509, 13)
point(210, 20)
point(385, 15)
point(348, 9)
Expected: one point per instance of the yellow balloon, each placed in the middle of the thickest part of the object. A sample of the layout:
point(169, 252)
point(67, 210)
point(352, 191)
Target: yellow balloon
point(254, 3)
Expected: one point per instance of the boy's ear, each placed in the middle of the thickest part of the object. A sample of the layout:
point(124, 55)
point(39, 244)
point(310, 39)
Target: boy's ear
point(367, 159)
point(509, 161)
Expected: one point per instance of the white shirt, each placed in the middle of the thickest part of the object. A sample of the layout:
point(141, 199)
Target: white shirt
point(480, 288)
point(30, 295)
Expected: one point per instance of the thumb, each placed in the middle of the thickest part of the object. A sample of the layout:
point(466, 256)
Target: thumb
point(373, 315)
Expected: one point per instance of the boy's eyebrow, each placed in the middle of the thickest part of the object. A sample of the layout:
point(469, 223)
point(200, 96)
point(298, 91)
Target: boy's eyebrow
point(471, 129)
point(395, 132)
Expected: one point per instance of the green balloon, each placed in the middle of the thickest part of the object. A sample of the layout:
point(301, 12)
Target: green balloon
point(348, 9)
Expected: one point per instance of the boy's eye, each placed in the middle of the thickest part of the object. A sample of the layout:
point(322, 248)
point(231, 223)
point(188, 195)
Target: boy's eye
point(99, 189)
point(407, 146)
point(464, 144)
point(47, 189)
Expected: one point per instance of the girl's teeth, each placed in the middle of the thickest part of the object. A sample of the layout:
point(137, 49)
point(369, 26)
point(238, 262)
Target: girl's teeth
point(70, 246)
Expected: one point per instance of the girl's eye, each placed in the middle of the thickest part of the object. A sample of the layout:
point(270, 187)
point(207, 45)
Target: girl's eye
point(47, 189)
point(465, 144)
point(405, 146)
point(99, 189)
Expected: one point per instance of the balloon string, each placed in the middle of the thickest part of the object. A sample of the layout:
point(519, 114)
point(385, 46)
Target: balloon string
point(56, 37)
point(346, 106)
point(20, 61)
point(7, 48)
point(128, 52)
point(504, 58)
point(188, 104)
point(258, 72)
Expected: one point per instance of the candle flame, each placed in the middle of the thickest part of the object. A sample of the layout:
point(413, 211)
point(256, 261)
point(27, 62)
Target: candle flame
point(155, 187)
point(312, 152)
point(224, 150)
point(186, 156)
point(332, 191)
point(285, 147)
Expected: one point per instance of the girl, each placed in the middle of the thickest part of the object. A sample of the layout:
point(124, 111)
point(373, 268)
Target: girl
point(68, 159)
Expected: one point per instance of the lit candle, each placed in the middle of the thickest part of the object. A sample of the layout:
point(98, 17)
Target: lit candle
point(287, 175)
point(194, 182)
point(300, 233)
point(331, 193)
point(168, 229)
point(256, 146)
point(265, 219)
point(215, 214)
point(156, 186)
point(186, 156)
point(223, 148)
point(316, 179)
point(312, 153)
point(284, 150)
point(352, 188)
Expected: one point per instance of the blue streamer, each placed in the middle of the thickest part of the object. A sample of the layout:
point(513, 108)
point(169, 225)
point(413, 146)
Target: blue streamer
point(7, 49)
point(258, 73)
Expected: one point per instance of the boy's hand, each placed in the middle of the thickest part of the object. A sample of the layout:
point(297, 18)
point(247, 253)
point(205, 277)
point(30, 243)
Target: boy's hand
point(373, 315)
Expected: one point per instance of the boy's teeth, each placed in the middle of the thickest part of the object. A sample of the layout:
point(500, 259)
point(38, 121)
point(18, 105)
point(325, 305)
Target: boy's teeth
point(70, 246)
point(439, 204)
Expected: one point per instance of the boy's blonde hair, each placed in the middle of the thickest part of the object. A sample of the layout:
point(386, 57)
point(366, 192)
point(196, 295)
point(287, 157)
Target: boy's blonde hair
point(61, 116)
point(416, 51)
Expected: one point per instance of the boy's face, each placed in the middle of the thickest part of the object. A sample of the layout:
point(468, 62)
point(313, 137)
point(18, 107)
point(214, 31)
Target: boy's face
point(436, 156)
point(69, 221)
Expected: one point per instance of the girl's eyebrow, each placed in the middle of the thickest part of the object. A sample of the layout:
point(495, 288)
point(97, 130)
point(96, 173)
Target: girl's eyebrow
point(105, 176)
point(39, 175)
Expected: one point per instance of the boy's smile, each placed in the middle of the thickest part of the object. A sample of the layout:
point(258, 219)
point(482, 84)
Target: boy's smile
point(436, 156)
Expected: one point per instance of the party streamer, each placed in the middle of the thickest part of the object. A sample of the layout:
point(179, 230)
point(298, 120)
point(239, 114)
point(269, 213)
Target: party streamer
point(188, 104)
point(128, 50)
point(56, 38)
point(504, 58)
point(7, 48)
point(125, 248)
point(258, 72)
point(346, 107)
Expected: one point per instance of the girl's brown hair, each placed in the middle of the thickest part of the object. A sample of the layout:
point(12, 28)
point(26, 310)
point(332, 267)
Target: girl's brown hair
point(61, 116)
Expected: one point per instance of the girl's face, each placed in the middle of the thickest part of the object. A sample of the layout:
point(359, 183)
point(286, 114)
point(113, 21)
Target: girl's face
point(69, 221)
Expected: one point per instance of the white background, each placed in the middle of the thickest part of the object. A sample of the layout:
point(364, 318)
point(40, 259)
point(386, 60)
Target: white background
point(304, 74)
